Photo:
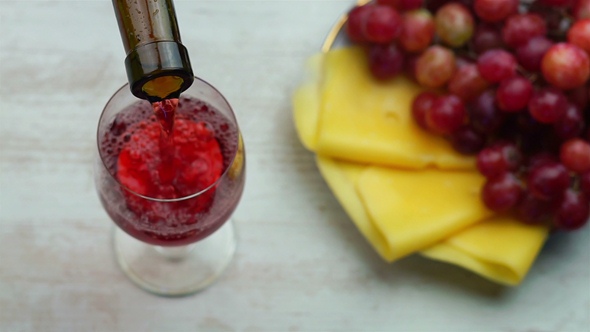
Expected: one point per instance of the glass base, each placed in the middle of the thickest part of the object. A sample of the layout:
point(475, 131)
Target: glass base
point(175, 271)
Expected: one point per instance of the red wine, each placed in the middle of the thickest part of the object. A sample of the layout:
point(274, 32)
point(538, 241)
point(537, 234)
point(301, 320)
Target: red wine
point(160, 158)
point(165, 112)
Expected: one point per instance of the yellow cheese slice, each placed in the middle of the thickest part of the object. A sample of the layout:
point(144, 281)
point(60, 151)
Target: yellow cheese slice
point(306, 103)
point(402, 211)
point(417, 209)
point(363, 120)
point(501, 249)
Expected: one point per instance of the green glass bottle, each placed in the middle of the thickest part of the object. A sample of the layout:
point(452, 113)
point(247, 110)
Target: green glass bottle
point(157, 63)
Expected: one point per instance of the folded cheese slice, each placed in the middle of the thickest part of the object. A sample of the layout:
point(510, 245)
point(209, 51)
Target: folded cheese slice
point(403, 211)
point(383, 207)
point(416, 209)
point(501, 249)
point(342, 112)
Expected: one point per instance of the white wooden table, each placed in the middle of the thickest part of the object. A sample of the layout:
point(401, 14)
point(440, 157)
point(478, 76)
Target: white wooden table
point(301, 264)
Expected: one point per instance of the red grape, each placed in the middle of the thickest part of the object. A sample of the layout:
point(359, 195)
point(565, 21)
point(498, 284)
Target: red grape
point(566, 66)
point(483, 113)
point(417, 30)
point(514, 93)
point(462, 60)
point(579, 96)
point(421, 106)
point(392, 3)
point(454, 24)
point(531, 53)
point(581, 9)
point(571, 124)
point(486, 37)
point(557, 3)
point(547, 105)
point(495, 10)
point(575, 155)
point(532, 210)
point(385, 61)
point(579, 34)
point(434, 5)
point(467, 83)
point(446, 115)
point(410, 67)
point(467, 141)
point(555, 19)
point(496, 64)
point(573, 211)
point(410, 4)
point(548, 181)
point(402, 5)
point(502, 192)
point(540, 159)
point(382, 25)
point(498, 158)
point(435, 66)
point(519, 28)
point(357, 17)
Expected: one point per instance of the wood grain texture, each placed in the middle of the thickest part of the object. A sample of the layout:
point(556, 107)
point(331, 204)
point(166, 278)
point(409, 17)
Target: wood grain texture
point(301, 265)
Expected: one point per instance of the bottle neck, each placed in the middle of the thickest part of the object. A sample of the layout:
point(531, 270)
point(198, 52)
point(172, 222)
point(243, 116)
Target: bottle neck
point(157, 63)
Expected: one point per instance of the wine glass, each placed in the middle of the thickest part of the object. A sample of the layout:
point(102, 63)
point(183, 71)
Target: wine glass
point(171, 204)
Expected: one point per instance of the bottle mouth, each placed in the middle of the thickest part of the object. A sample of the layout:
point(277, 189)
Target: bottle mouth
point(159, 70)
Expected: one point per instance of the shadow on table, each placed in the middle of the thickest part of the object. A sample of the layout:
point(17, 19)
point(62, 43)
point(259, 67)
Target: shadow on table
point(418, 271)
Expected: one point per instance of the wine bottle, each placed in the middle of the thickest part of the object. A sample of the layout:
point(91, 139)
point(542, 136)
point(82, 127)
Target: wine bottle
point(157, 63)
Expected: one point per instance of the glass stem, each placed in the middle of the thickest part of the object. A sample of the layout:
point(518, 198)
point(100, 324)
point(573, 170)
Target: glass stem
point(174, 253)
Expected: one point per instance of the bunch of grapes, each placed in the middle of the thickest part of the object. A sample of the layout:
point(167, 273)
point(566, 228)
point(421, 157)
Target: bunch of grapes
point(507, 81)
